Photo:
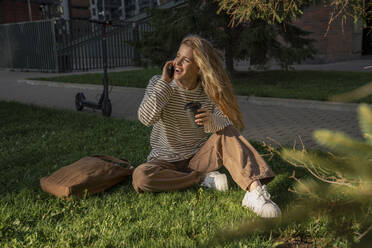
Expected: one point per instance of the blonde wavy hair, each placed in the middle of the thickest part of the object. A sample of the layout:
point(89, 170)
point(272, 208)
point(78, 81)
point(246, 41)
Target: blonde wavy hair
point(214, 78)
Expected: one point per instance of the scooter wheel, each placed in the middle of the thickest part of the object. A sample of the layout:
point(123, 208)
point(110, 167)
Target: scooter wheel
point(79, 98)
point(106, 107)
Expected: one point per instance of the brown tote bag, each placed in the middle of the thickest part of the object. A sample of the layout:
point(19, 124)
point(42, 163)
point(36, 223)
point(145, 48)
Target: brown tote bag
point(89, 175)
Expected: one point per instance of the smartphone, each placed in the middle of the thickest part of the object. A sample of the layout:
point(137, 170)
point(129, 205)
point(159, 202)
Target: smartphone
point(171, 71)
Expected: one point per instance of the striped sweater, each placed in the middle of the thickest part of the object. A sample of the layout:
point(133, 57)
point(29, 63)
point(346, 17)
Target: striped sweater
point(175, 136)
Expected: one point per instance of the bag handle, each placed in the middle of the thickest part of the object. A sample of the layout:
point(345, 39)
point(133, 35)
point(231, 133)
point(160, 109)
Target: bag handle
point(113, 159)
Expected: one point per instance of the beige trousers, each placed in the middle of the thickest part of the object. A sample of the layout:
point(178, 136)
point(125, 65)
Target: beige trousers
point(224, 148)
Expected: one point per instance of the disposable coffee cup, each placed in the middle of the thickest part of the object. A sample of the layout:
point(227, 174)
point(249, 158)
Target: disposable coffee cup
point(191, 109)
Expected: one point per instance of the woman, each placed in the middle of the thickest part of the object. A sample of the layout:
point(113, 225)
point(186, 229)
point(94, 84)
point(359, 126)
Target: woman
point(182, 154)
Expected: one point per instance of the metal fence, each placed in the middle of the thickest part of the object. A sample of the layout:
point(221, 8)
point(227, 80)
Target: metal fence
point(60, 46)
point(80, 48)
point(29, 45)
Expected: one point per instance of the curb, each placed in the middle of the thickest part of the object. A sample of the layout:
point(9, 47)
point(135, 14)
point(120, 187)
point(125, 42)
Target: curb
point(263, 101)
point(80, 86)
point(53, 72)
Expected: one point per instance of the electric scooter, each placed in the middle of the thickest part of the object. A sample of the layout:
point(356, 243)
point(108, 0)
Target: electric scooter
point(104, 102)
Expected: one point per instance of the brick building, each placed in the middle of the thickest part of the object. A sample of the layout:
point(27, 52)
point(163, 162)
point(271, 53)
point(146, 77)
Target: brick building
point(12, 11)
point(339, 43)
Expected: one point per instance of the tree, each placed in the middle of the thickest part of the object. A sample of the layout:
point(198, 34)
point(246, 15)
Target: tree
point(287, 44)
point(169, 26)
point(339, 185)
point(278, 11)
point(258, 40)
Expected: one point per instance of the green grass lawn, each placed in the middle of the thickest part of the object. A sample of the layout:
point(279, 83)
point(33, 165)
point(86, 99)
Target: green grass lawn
point(36, 141)
point(312, 85)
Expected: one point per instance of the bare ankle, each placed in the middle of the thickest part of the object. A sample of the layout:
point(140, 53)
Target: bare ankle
point(254, 185)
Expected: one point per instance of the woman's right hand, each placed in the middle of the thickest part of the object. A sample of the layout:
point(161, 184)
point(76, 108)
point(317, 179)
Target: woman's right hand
point(166, 75)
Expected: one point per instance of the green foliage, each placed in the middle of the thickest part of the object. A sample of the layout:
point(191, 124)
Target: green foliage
point(279, 11)
point(257, 40)
point(286, 43)
point(343, 184)
point(169, 26)
point(275, 11)
point(340, 188)
point(365, 119)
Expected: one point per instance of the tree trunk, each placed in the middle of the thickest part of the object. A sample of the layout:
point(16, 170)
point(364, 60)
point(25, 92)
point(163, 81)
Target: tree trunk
point(229, 50)
point(229, 60)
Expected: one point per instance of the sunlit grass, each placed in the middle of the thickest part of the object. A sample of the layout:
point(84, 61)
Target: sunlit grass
point(36, 141)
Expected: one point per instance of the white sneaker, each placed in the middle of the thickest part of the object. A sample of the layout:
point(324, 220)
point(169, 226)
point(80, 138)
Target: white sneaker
point(215, 180)
point(259, 201)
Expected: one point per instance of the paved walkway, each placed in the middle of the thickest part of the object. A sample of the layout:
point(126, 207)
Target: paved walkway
point(362, 64)
point(272, 120)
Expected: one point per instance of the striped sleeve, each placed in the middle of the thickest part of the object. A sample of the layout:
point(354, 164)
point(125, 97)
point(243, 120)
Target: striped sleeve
point(217, 122)
point(157, 95)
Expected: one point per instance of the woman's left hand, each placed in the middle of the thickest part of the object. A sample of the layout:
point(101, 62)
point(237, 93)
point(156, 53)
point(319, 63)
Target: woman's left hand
point(203, 116)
